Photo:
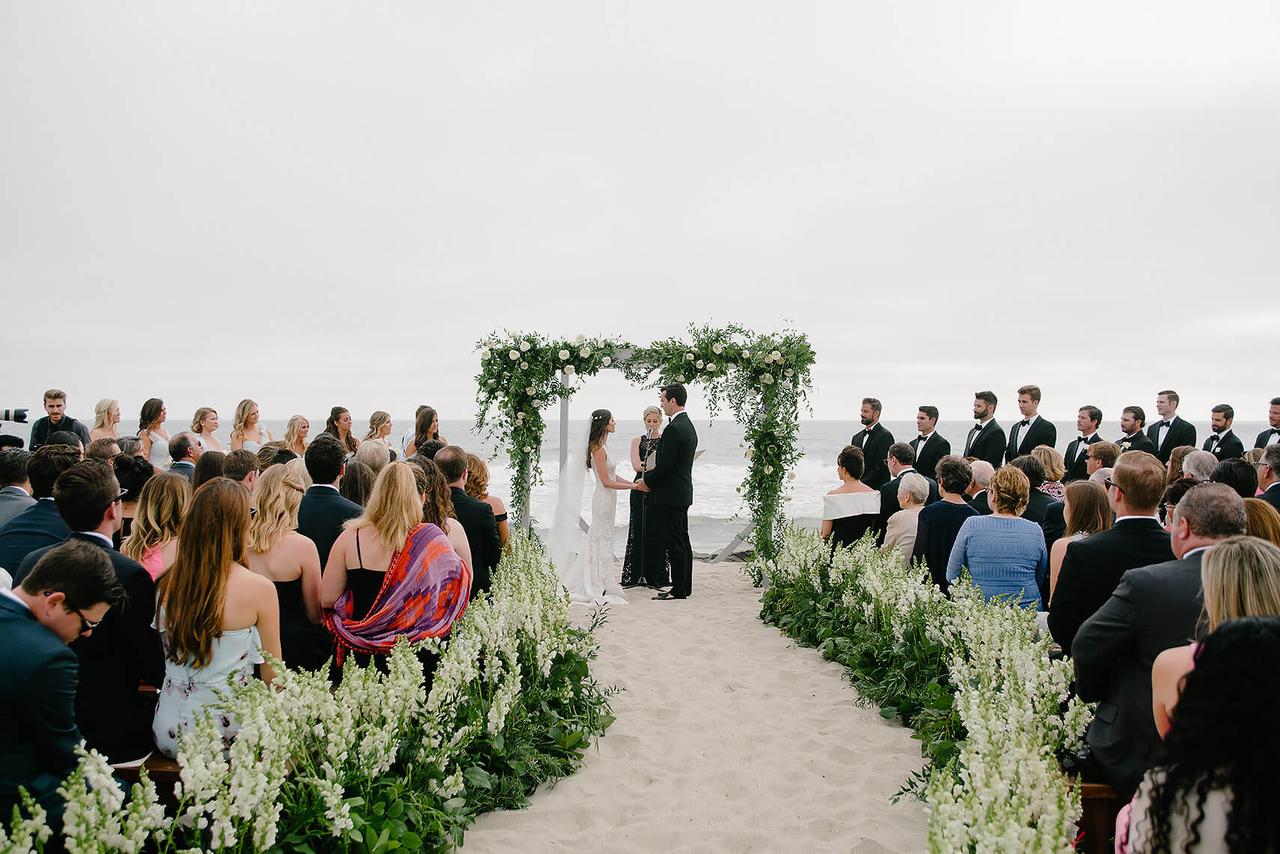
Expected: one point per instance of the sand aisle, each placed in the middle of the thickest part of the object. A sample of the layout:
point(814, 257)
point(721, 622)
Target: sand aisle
point(728, 738)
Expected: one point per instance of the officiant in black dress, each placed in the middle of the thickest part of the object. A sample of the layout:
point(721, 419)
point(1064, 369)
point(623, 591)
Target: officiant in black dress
point(643, 537)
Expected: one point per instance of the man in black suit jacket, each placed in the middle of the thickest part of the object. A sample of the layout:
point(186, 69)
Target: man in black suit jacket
point(1269, 476)
point(1152, 609)
point(976, 494)
point(15, 486)
point(124, 650)
point(1088, 419)
point(39, 525)
point(986, 439)
point(874, 440)
point(184, 450)
point(671, 482)
point(929, 446)
point(1222, 443)
point(1092, 567)
point(1271, 435)
point(1132, 420)
point(1032, 430)
point(323, 511)
point(66, 597)
point(901, 459)
point(475, 516)
point(56, 419)
point(1170, 431)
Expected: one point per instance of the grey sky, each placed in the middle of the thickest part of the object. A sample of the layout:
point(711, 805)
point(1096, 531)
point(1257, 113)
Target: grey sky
point(313, 203)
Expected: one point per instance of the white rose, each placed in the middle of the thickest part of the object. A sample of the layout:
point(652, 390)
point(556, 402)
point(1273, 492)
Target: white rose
point(524, 346)
point(767, 379)
point(484, 354)
point(711, 366)
point(777, 357)
point(789, 372)
point(579, 339)
point(717, 348)
point(570, 370)
point(524, 366)
point(786, 383)
point(584, 352)
point(529, 391)
point(519, 416)
point(606, 361)
point(538, 403)
point(564, 355)
point(688, 357)
point(751, 452)
point(698, 364)
point(514, 355)
point(528, 450)
point(746, 354)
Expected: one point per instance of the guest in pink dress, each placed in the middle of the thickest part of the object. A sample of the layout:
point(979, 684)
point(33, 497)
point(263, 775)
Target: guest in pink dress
point(153, 541)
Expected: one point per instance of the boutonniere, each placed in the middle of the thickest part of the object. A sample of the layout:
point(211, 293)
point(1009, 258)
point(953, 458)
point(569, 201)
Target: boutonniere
point(1124, 446)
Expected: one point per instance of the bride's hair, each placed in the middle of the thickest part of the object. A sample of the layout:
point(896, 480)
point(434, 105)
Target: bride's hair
point(599, 423)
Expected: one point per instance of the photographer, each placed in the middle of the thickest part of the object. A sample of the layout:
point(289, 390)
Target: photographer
point(55, 404)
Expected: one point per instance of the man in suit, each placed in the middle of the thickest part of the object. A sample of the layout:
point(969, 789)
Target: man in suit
point(1132, 421)
point(1092, 567)
point(1040, 505)
point(184, 450)
point(1222, 443)
point(66, 596)
point(1271, 435)
point(900, 462)
point(986, 440)
point(56, 419)
point(1170, 431)
point(1088, 419)
point(322, 512)
point(976, 493)
point(1100, 456)
point(1269, 476)
point(874, 440)
point(242, 466)
point(1152, 609)
point(475, 516)
point(671, 482)
point(929, 446)
point(125, 650)
point(39, 525)
point(1032, 430)
point(15, 487)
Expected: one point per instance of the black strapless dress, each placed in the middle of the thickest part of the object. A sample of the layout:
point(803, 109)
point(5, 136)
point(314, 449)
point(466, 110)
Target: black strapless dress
point(304, 645)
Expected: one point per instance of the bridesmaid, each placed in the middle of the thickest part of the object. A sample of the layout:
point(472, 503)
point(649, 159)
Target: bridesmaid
point(247, 434)
point(295, 434)
point(106, 417)
point(379, 426)
point(640, 536)
point(203, 424)
point(339, 426)
point(153, 439)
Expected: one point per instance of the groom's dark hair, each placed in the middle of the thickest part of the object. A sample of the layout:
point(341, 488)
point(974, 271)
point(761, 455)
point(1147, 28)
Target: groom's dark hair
point(676, 392)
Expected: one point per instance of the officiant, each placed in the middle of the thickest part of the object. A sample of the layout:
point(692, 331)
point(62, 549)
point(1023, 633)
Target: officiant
point(643, 536)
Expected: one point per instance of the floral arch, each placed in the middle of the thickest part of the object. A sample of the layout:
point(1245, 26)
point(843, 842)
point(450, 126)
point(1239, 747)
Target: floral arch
point(764, 378)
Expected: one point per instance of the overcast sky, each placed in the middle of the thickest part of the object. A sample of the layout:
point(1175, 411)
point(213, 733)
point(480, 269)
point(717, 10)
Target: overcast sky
point(314, 203)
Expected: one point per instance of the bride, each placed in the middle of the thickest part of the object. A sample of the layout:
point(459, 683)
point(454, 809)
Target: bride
point(586, 567)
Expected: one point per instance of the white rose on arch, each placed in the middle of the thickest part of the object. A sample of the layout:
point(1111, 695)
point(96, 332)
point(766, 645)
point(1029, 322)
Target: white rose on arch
point(524, 346)
point(606, 361)
point(564, 355)
point(524, 366)
point(767, 379)
point(584, 352)
point(570, 370)
point(514, 355)
point(717, 348)
point(698, 364)
point(688, 357)
point(711, 367)
point(768, 469)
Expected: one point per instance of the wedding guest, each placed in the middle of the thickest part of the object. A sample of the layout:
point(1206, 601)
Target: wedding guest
point(339, 426)
point(276, 551)
point(215, 614)
point(939, 523)
point(438, 509)
point(429, 449)
point(475, 516)
point(185, 451)
point(1171, 431)
point(1085, 510)
point(323, 510)
point(1269, 476)
point(642, 537)
point(1092, 567)
point(299, 467)
point(900, 533)
point(210, 465)
point(1262, 520)
point(129, 445)
point(1153, 608)
point(379, 426)
point(15, 486)
point(66, 596)
point(1237, 474)
point(1132, 422)
point(357, 481)
point(204, 423)
point(295, 434)
point(242, 467)
point(1271, 435)
point(56, 418)
point(900, 460)
point(1173, 493)
point(1199, 464)
point(68, 438)
point(851, 509)
point(106, 415)
point(981, 471)
point(8, 442)
point(1253, 456)
point(929, 447)
point(1088, 420)
point(375, 454)
point(1004, 554)
point(102, 449)
point(1054, 469)
point(153, 542)
point(1223, 443)
point(1101, 455)
point(246, 431)
point(426, 428)
point(1176, 456)
point(478, 488)
point(273, 454)
point(132, 473)
point(153, 439)
point(39, 525)
point(986, 439)
point(874, 441)
point(1040, 508)
point(1032, 430)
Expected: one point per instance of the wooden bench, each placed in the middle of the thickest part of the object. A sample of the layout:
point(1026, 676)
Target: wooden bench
point(1101, 804)
point(160, 768)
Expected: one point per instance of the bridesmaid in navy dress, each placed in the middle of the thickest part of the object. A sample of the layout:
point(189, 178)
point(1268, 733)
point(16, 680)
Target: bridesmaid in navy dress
point(642, 537)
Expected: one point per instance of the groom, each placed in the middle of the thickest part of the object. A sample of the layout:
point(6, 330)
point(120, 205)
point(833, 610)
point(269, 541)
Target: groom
point(671, 482)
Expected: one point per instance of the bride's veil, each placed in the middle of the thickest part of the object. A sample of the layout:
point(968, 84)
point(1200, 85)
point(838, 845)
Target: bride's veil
point(565, 538)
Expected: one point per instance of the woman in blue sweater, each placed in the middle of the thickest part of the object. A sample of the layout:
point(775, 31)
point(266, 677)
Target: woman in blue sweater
point(1005, 555)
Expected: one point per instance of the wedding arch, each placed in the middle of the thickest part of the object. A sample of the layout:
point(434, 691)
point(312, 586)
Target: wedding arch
point(764, 378)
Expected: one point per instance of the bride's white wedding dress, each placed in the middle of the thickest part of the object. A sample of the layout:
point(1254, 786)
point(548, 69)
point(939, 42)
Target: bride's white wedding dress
point(592, 576)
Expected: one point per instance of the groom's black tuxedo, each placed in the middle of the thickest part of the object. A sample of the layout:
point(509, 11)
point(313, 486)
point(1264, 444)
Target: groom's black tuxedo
point(671, 481)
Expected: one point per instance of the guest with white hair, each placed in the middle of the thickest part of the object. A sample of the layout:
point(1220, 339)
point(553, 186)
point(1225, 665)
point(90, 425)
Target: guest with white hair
point(374, 453)
point(900, 534)
point(977, 491)
point(1199, 464)
point(106, 415)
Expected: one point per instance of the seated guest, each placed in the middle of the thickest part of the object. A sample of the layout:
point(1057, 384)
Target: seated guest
point(900, 460)
point(1199, 464)
point(1054, 470)
point(357, 481)
point(939, 522)
point(1173, 493)
point(1153, 608)
point(66, 437)
point(185, 452)
point(291, 563)
point(478, 488)
point(15, 488)
point(429, 449)
point(1041, 509)
point(324, 511)
point(1237, 474)
point(64, 597)
point(930, 446)
point(1223, 443)
point(8, 442)
point(295, 434)
point(132, 473)
point(1214, 786)
point(203, 425)
point(388, 557)
point(39, 525)
point(1101, 455)
point(1092, 567)
point(981, 472)
point(339, 427)
point(129, 445)
point(106, 417)
point(1005, 554)
point(1262, 520)
point(1088, 420)
point(1101, 476)
point(900, 532)
point(374, 453)
point(247, 432)
point(1085, 511)
point(299, 468)
point(475, 516)
point(273, 454)
point(438, 509)
point(852, 508)
point(210, 465)
point(1176, 456)
point(102, 449)
point(1133, 422)
point(242, 467)
point(216, 615)
point(153, 542)
point(1269, 476)
point(124, 650)
point(56, 419)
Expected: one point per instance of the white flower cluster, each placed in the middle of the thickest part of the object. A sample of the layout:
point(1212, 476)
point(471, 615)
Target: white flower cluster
point(95, 819)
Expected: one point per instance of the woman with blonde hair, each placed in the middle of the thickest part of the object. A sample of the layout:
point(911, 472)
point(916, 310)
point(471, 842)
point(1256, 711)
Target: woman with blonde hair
point(379, 426)
point(1262, 520)
point(106, 415)
point(478, 488)
point(1086, 510)
point(1055, 468)
point(295, 434)
point(1004, 553)
point(215, 615)
point(644, 540)
point(203, 424)
point(246, 432)
point(153, 538)
point(290, 561)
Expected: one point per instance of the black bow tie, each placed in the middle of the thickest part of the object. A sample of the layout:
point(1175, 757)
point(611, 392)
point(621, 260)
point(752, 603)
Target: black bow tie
point(1166, 423)
point(1025, 423)
point(923, 437)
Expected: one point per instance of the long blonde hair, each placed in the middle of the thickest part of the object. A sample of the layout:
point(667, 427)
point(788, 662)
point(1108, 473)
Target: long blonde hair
point(161, 505)
point(102, 412)
point(376, 420)
point(291, 432)
point(394, 508)
point(275, 502)
point(243, 408)
point(1241, 578)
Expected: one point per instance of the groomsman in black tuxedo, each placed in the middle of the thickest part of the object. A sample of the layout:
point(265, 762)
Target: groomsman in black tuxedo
point(1222, 443)
point(1088, 419)
point(874, 440)
point(986, 440)
point(1032, 430)
point(1170, 431)
point(930, 447)
point(1271, 435)
point(1132, 420)
point(901, 462)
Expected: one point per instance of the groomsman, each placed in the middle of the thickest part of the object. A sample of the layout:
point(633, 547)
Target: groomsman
point(1132, 420)
point(1170, 431)
point(1088, 419)
point(1222, 443)
point(986, 438)
point(901, 461)
point(1266, 438)
point(1032, 430)
point(874, 440)
point(930, 447)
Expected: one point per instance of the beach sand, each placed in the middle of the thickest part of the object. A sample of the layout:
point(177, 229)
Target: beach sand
point(728, 737)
